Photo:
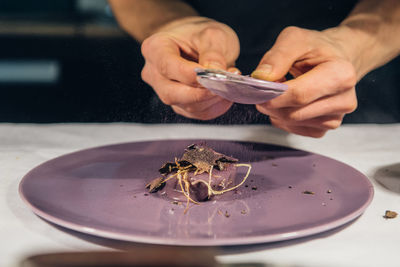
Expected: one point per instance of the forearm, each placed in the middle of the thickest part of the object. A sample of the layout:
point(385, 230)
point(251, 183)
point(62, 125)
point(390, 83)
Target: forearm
point(370, 35)
point(141, 18)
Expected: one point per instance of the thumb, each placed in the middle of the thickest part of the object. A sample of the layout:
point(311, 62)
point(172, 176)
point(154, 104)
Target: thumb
point(212, 59)
point(277, 62)
point(218, 47)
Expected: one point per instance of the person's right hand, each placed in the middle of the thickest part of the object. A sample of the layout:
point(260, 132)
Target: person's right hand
point(172, 54)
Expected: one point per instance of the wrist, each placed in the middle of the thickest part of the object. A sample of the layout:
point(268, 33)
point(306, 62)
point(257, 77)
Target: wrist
point(176, 22)
point(357, 46)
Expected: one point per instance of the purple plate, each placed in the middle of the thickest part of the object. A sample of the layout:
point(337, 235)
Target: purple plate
point(289, 194)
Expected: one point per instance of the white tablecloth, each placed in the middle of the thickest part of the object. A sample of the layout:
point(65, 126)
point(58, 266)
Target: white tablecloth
point(372, 149)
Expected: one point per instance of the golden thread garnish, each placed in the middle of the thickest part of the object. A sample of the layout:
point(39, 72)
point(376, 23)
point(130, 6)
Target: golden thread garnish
point(195, 161)
point(211, 191)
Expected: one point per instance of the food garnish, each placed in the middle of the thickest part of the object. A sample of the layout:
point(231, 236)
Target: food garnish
point(188, 174)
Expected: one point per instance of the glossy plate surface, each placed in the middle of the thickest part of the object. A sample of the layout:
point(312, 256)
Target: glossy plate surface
point(100, 191)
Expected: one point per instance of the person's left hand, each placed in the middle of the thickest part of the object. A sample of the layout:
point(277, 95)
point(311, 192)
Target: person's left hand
point(323, 88)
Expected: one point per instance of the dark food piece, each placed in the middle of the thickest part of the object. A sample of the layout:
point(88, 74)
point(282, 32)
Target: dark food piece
point(307, 192)
point(156, 184)
point(197, 158)
point(199, 175)
point(203, 158)
point(390, 214)
point(200, 158)
point(169, 167)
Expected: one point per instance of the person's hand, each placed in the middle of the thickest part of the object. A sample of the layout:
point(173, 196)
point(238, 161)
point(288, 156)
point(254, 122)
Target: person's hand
point(172, 54)
point(323, 88)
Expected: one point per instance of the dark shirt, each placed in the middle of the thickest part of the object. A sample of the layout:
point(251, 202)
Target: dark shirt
point(259, 22)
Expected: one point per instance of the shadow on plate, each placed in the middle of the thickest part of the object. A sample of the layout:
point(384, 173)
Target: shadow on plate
point(221, 250)
point(389, 177)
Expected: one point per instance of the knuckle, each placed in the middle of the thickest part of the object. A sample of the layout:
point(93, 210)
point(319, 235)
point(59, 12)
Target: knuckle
point(146, 46)
point(212, 31)
point(351, 104)
point(352, 107)
point(191, 108)
point(348, 74)
point(293, 31)
point(151, 43)
point(318, 133)
point(314, 132)
point(163, 67)
point(179, 111)
point(333, 124)
point(145, 73)
point(299, 97)
point(165, 99)
point(296, 116)
point(165, 96)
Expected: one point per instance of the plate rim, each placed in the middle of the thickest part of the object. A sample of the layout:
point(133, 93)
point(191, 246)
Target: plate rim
point(198, 241)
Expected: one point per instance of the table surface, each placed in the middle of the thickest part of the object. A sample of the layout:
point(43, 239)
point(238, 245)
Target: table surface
point(370, 240)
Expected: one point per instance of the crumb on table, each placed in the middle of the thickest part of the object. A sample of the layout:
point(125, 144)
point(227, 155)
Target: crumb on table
point(389, 214)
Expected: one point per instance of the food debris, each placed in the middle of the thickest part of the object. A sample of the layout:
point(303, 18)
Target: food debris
point(227, 215)
point(390, 214)
point(254, 188)
point(243, 212)
point(156, 184)
point(307, 192)
point(290, 187)
point(196, 160)
point(329, 191)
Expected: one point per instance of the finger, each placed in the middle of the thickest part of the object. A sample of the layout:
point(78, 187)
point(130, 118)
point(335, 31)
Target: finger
point(287, 49)
point(300, 130)
point(343, 103)
point(234, 70)
point(217, 48)
point(213, 112)
point(212, 60)
point(164, 54)
point(202, 106)
point(326, 79)
point(172, 92)
point(328, 122)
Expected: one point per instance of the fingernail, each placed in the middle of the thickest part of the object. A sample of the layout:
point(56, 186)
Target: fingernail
point(262, 72)
point(234, 70)
point(214, 65)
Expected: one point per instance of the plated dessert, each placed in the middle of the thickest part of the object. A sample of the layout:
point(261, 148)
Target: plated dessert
point(198, 175)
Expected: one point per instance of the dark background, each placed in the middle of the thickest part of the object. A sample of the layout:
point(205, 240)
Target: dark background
point(96, 66)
